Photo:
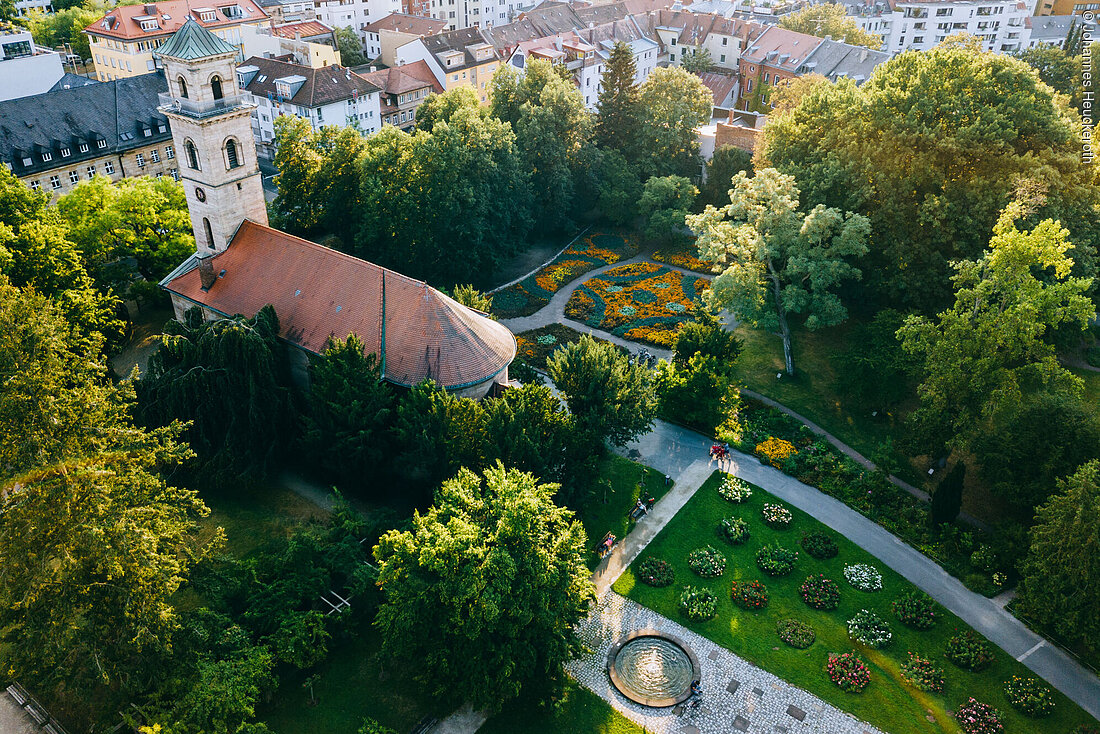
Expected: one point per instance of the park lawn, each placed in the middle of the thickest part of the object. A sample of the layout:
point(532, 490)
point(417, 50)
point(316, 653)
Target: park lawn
point(253, 517)
point(607, 509)
point(812, 392)
point(887, 702)
point(580, 712)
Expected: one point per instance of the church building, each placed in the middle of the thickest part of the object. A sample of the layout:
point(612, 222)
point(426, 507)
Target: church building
point(241, 264)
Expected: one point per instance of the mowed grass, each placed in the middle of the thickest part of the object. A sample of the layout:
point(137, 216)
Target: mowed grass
point(618, 487)
point(887, 702)
point(580, 712)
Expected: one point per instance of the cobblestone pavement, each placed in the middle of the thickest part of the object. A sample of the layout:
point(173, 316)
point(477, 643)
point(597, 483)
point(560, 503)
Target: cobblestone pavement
point(737, 696)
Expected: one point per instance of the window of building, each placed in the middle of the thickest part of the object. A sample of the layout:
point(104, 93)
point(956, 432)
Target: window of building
point(722, 59)
point(83, 148)
point(216, 87)
point(109, 167)
point(231, 153)
point(182, 83)
point(55, 182)
point(169, 153)
point(47, 157)
point(209, 234)
point(192, 155)
point(154, 155)
point(141, 160)
point(175, 174)
point(65, 152)
point(101, 143)
point(91, 171)
point(35, 186)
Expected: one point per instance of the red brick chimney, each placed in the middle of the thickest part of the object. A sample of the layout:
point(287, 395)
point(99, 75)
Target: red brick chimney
point(206, 272)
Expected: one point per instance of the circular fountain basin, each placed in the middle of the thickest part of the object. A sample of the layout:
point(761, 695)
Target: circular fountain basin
point(652, 668)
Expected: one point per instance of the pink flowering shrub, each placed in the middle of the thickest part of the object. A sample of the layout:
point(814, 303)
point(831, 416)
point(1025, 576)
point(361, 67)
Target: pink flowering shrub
point(975, 717)
point(848, 671)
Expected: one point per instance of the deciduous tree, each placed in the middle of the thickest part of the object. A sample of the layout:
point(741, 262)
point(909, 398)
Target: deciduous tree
point(674, 104)
point(726, 163)
point(484, 590)
point(830, 19)
point(438, 434)
point(946, 499)
point(665, 204)
point(774, 260)
point(350, 47)
point(697, 61)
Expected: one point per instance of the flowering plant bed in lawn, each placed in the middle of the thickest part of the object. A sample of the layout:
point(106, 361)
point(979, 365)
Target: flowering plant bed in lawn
point(734, 530)
point(656, 572)
point(537, 345)
point(698, 604)
point(775, 560)
point(849, 672)
point(749, 594)
point(922, 673)
point(969, 651)
point(870, 629)
point(684, 256)
point(734, 489)
point(863, 577)
point(1029, 696)
point(708, 562)
point(819, 545)
point(798, 635)
point(644, 302)
point(586, 253)
point(915, 609)
point(820, 592)
point(776, 517)
point(975, 717)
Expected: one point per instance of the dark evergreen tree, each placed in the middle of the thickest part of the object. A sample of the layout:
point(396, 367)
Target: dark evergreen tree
point(619, 112)
point(947, 497)
point(727, 162)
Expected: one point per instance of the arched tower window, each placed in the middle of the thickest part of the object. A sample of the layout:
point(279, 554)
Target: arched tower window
point(183, 87)
point(192, 155)
point(231, 153)
point(209, 233)
point(216, 87)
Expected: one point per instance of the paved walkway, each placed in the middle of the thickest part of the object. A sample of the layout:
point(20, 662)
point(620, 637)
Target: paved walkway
point(737, 696)
point(672, 449)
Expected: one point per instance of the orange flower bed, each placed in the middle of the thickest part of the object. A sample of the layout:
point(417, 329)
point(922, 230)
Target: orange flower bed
point(683, 257)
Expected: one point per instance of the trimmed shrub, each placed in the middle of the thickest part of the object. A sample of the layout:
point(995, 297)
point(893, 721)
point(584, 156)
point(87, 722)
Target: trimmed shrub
point(969, 651)
point(749, 594)
point(915, 609)
point(975, 717)
point(922, 673)
point(863, 577)
point(698, 604)
point(370, 726)
point(775, 451)
point(796, 634)
point(656, 572)
point(1029, 696)
point(820, 592)
point(776, 517)
point(708, 562)
point(870, 629)
point(775, 560)
point(734, 530)
point(848, 671)
point(734, 489)
point(819, 545)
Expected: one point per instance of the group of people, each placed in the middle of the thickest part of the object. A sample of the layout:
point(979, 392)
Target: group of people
point(719, 451)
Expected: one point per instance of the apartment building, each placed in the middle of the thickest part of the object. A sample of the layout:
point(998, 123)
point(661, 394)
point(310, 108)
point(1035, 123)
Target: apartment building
point(383, 36)
point(122, 41)
point(461, 58)
point(354, 14)
point(920, 25)
point(403, 90)
point(307, 42)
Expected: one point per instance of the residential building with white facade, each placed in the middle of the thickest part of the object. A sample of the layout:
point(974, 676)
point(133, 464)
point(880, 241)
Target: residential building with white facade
point(397, 29)
point(920, 25)
point(354, 14)
point(332, 95)
point(26, 68)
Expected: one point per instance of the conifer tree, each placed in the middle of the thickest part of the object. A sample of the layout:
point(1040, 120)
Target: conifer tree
point(619, 112)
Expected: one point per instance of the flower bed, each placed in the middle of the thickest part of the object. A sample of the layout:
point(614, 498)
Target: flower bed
point(537, 345)
point(655, 572)
point(863, 577)
point(698, 604)
point(775, 560)
point(969, 651)
point(975, 717)
point(734, 530)
point(848, 671)
point(708, 562)
point(915, 609)
point(1029, 696)
point(870, 629)
point(644, 302)
point(749, 594)
point(818, 545)
point(796, 634)
point(776, 517)
point(685, 257)
point(820, 592)
point(734, 489)
point(922, 673)
point(586, 253)
point(775, 451)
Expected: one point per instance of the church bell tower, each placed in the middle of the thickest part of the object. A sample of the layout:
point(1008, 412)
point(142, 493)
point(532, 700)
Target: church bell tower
point(212, 131)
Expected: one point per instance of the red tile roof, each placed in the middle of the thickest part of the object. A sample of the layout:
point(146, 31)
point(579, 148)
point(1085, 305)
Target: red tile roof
point(320, 293)
point(404, 78)
point(170, 16)
point(305, 29)
point(412, 24)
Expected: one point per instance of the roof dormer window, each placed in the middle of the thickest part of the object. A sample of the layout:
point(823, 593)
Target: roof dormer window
point(47, 157)
point(65, 152)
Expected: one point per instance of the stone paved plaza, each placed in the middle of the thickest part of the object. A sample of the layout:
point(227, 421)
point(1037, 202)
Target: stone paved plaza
point(737, 696)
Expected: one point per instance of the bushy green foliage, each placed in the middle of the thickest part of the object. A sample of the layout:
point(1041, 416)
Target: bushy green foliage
point(726, 163)
point(350, 47)
point(969, 651)
point(875, 373)
point(795, 633)
point(665, 203)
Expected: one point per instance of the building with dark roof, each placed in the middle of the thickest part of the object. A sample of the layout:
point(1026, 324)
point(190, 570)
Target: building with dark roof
point(404, 89)
point(383, 36)
point(57, 139)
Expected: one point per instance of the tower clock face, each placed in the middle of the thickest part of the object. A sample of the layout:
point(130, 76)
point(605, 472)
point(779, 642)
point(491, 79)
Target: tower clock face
point(200, 194)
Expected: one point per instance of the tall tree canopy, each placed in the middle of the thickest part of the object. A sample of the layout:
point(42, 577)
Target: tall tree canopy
point(619, 111)
point(484, 590)
point(351, 48)
point(993, 346)
point(229, 379)
point(773, 260)
point(829, 19)
point(1061, 585)
point(726, 163)
point(931, 149)
point(610, 399)
point(665, 204)
point(674, 104)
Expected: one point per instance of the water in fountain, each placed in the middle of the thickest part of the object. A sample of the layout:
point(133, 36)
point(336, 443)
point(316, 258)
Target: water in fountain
point(653, 667)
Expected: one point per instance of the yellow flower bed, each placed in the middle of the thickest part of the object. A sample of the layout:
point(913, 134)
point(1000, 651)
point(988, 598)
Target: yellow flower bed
point(683, 258)
point(775, 451)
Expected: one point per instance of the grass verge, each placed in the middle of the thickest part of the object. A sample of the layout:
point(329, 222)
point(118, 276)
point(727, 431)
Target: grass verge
point(613, 495)
point(580, 711)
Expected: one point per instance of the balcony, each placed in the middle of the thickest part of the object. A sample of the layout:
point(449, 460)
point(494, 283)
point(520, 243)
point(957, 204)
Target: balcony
point(193, 108)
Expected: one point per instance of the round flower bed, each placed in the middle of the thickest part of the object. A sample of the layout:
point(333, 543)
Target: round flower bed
point(915, 609)
point(776, 516)
point(969, 651)
point(796, 634)
point(975, 717)
point(708, 562)
point(863, 577)
point(1029, 696)
point(870, 629)
point(734, 530)
point(922, 674)
point(698, 604)
point(775, 451)
point(819, 545)
point(775, 560)
point(734, 490)
point(820, 592)
point(749, 594)
point(848, 671)
point(655, 572)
